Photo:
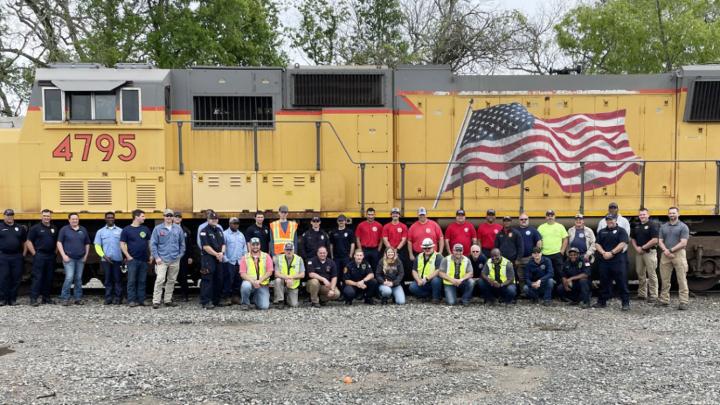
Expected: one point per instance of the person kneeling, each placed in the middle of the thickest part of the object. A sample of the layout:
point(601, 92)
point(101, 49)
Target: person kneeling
point(289, 270)
point(539, 278)
point(575, 280)
point(256, 268)
point(359, 280)
point(498, 279)
point(456, 273)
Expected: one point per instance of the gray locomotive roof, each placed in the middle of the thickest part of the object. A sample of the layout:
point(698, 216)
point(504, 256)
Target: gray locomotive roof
point(103, 74)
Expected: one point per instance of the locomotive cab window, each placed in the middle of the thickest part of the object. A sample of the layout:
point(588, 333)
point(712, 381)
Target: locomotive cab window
point(53, 105)
point(130, 110)
point(91, 106)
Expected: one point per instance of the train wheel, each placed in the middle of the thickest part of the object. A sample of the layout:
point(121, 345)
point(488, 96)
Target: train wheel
point(702, 283)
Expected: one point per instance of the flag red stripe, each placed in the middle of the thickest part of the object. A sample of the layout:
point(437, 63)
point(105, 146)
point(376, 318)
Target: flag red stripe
point(567, 173)
point(546, 154)
point(583, 132)
point(505, 149)
point(595, 116)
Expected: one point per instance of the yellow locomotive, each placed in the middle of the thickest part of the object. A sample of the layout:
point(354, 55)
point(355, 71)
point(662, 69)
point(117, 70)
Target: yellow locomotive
point(340, 139)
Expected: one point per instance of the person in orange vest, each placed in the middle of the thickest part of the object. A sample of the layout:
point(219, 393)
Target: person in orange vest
point(282, 232)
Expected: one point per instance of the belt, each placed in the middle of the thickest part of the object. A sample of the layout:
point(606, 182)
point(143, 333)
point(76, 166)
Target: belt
point(40, 252)
point(10, 253)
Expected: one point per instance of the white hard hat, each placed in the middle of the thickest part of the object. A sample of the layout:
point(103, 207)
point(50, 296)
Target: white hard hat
point(427, 243)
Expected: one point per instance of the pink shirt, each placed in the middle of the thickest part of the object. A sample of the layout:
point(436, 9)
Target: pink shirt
point(268, 264)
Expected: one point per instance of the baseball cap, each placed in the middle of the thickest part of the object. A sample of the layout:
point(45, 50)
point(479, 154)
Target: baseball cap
point(283, 208)
point(422, 211)
point(549, 212)
point(459, 213)
point(254, 241)
point(579, 216)
point(315, 219)
point(234, 220)
point(507, 219)
point(342, 217)
point(537, 250)
point(212, 215)
point(612, 205)
point(288, 246)
point(574, 249)
point(427, 243)
point(609, 217)
point(177, 214)
point(168, 212)
point(395, 210)
point(490, 212)
point(457, 247)
point(9, 212)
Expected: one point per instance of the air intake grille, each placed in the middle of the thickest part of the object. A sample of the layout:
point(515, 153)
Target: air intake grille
point(338, 90)
point(233, 112)
point(99, 192)
point(72, 192)
point(146, 196)
point(705, 101)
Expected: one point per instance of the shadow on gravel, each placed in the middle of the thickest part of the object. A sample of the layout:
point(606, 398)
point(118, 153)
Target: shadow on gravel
point(6, 350)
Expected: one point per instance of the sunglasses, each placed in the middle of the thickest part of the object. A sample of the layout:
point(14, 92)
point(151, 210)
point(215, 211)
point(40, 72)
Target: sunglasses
point(169, 215)
point(427, 248)
point(283, 212)
point(178, 216)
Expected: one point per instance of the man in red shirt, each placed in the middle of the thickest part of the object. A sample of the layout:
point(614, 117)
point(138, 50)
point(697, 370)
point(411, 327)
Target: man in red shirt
point(369, 235)
point(460, 232)
point(487, 231)
point(395, 235)
point(424, 228)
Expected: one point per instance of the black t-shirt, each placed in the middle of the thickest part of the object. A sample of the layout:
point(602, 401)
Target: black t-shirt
point(212, 236)
point(12, 238)
point(341, 239)
point(136, 238)
point(254, 231)
point(43, 238)
point(312, 240)
point(327, 269)
point(478, 265)
point(356, 272)
point(642, 233)
point(609, 238)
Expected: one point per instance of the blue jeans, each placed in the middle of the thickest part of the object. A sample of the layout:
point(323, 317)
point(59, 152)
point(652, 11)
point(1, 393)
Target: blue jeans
point(259, 296)
point(433, 288)
point(43, 270)
point(137, 277)
point(490, 293)
point(73, 275)
point(465, 288)
point(580, 291)
point(113, 286)
point(231, 280)
point(397, 293)
point(544, 291)
point(11, 268)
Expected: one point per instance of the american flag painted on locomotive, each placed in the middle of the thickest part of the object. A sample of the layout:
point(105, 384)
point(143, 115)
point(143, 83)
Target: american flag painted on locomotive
point(492, 139)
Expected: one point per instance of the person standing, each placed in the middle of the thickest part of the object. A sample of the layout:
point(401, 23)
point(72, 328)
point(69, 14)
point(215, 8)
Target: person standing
point(323, 275)
point(389, 275)
point(673, 239)
point(282, 232)
point(42, 246)
point(188, 259)
point(12, 251)
point(620, 220)
point(212, 240)
point(423, 229)
point(509, 241)
point(461, 232)
point(74, 245)
point(487, 231)
point(256, 268)
point(359, 280)
point(107, 247)
point(289, 271)
point(342, 243)
point(167, 245)
point(582, 238)
point(456, 273)
point(369, 237)
point(204, 224)
point(135, 246)
point(259, 230)
point(313, 238)
point(611, 243)
point(554, 242)
point(395, 236)
point(235, 249)
point(531, 240)
point(644, 239)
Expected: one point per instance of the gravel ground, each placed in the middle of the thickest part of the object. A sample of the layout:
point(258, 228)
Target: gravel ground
point(418, 353)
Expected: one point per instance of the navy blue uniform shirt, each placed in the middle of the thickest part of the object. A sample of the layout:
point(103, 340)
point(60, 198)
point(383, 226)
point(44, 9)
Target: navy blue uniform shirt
point(609, 238)
point(43, 238)
point(571, 269)
point(212, 236)
point(356, 272)
point(538, 271)
point(12, 238)
point(327, 269)
point(136, 239)
point(341, 239)
point(74, 241)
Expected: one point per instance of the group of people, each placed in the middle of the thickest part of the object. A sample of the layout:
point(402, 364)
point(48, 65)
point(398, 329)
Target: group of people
point(498, 261)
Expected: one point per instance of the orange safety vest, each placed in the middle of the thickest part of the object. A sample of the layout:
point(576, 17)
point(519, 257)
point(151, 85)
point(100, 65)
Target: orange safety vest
point(280, 238)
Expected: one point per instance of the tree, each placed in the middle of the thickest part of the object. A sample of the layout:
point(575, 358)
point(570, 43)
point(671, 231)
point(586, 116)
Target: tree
point(641, 36)
point(318, 34)
point(537, 51)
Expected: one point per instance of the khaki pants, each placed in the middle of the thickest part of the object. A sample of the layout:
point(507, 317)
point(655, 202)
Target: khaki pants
point(681, 268)
point(646, 269)
point(318, 292)
point(166, 275)
point(281, 290)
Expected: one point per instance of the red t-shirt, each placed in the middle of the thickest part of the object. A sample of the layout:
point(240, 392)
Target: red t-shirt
point(418, 232)
point(460, 233)
point(486, 234)
point(394, 233)
point(369, 234)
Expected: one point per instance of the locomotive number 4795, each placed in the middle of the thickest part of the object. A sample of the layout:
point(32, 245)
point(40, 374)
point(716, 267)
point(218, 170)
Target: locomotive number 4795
point(104, 143)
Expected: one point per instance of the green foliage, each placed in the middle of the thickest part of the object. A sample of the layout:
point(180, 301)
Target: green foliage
point(318, 34)
point(631, 36)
